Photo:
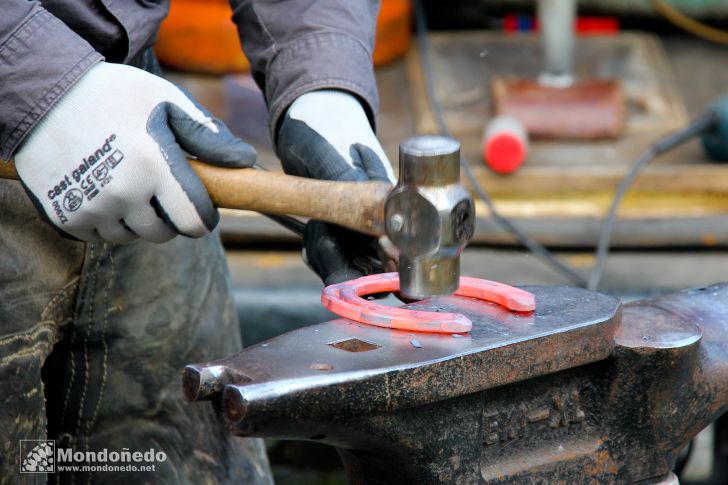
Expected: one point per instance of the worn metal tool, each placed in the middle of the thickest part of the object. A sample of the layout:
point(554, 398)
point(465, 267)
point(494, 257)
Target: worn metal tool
point(429, 216)
point(586, 108)
point(583, 390)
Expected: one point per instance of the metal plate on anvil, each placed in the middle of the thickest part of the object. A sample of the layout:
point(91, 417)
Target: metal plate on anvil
point(393, 368)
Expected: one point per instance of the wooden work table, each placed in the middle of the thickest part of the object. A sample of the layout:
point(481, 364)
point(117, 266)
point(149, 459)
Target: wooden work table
point(561, 193)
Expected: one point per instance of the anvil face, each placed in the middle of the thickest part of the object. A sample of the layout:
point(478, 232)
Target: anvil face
point(348, 368)
point(582, 391)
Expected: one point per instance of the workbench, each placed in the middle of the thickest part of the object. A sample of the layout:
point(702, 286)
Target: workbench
point(562, 192)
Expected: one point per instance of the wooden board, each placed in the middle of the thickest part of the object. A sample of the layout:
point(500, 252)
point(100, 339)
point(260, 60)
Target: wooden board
point(463, 64)
point(564, 189)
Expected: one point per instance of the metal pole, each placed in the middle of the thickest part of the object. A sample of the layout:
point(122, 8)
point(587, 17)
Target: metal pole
point(556, 22)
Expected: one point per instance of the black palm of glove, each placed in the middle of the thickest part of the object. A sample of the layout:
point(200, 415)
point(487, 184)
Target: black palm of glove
point(338, 254)
point(326, 135)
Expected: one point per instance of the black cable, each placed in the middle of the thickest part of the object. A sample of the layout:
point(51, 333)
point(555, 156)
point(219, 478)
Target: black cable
point(290, 223)
point(524, 239)
point(602, 251)
point(660, 146)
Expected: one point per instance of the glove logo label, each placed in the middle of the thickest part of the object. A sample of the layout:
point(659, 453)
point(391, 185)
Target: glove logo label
point(73, 200)
point(91, 160)
point(100, 165)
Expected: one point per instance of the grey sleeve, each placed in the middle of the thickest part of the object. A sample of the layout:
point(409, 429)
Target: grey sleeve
point(40, 59)
point(297, 46)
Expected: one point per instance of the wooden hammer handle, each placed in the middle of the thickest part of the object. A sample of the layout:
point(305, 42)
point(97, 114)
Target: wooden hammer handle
point(356, 205)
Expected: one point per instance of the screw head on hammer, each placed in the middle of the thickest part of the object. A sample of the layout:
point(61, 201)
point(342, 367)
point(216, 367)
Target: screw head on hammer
point(396, 222)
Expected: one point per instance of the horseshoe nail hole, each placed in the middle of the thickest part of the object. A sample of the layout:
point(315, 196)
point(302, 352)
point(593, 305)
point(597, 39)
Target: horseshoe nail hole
point(322, 366)
point(354, 345)
point(318, 437)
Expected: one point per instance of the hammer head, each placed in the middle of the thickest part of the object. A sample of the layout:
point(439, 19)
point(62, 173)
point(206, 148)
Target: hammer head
point(429, 216)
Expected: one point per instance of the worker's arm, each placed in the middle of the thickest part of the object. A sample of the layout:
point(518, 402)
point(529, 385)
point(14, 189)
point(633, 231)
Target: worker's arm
point(40, 59)
point(100, 147)
point(298, 46)
point(313, 61)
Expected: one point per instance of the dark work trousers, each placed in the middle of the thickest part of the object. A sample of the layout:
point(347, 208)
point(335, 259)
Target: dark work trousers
point(93, 339)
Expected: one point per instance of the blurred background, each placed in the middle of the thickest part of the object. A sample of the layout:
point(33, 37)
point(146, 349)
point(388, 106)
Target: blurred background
point(553, 103)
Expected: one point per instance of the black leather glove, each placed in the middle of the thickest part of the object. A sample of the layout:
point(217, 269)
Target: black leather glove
point(326, 135)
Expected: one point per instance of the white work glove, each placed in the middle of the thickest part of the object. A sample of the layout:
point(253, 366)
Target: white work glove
point(327, 135)
point(108, 161)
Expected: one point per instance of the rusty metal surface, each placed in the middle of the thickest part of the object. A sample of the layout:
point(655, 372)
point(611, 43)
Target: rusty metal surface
point(306, 372)
point(344, 369)
point(576, 395)
point(465, 63)
point(588, 109)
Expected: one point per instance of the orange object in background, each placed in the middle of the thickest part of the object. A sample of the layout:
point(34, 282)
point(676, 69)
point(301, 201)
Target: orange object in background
point(394, 31)
point(199, 36)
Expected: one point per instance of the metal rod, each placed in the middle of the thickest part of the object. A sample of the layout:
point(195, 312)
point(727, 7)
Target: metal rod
point(556, 23)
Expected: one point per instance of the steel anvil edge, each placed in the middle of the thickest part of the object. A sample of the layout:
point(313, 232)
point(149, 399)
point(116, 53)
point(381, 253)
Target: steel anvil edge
point(306, 370)
point(611, 394)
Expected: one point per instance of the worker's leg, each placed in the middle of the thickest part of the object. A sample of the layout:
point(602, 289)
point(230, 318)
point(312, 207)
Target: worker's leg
point(137, 314)
point(39, 275)
point(142, 311)
point(145, 311)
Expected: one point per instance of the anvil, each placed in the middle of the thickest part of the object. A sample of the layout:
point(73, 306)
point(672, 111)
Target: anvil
point(583, 390)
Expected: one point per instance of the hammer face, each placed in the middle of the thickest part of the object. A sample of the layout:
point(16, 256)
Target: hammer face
point(429, 216)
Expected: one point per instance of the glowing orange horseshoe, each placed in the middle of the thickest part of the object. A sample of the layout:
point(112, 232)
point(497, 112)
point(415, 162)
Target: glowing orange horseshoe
point(345, 299)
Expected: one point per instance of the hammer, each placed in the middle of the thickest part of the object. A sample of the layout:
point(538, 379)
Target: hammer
point(428, 216)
